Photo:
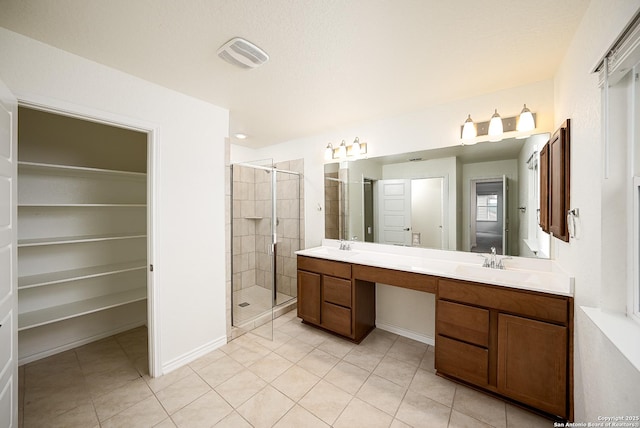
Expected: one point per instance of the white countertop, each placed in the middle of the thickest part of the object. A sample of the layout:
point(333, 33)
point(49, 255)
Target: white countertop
point(520, 273)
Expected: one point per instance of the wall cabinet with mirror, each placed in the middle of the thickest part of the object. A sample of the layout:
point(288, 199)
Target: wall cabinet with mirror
point(555, 197)
point(465, 198)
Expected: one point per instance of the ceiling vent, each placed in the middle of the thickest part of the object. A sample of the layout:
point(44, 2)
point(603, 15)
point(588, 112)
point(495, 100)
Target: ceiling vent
point(242, 53)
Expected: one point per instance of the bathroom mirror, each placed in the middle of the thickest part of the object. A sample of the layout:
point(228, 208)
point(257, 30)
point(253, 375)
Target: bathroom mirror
point(465, 198)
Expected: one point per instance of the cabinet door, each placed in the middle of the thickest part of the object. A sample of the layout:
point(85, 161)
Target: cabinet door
point(544, 188)
point(532, 363)
point(559, 182)
point(309, 296)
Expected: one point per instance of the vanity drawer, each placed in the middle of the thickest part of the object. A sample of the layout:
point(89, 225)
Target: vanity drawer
point(336, 318)
point(463, 322)
point(327, 267)
point(337, 291)
point(463, 361)
point(534, 305)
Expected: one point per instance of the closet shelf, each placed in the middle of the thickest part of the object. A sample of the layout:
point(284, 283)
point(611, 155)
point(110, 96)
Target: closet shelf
point(76, 239)
point(252, 218)
point(44, 205)
point(51, 278)
point(54, 314)
point(76, 170)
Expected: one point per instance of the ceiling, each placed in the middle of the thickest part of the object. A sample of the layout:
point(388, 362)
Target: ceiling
point(333, 63)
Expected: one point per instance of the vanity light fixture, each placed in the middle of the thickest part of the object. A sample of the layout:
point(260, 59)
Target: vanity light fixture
point(343, 151)
point(498, 128)
point(495, 127)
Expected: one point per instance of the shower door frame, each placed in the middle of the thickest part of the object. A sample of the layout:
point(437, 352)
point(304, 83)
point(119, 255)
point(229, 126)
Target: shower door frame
point(273, 246)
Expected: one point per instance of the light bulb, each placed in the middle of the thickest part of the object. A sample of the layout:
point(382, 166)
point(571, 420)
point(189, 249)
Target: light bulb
point(328, 152)
point(526, 122)
point(469, 131)
point(342, 150)
point(495, 127)
point(355, 147)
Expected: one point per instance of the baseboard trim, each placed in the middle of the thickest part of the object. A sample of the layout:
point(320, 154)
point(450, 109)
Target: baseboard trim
point(193, 355)
point(49, 352)
point(406, 333)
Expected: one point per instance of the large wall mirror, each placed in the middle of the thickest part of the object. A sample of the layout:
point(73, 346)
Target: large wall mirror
point(464, 198)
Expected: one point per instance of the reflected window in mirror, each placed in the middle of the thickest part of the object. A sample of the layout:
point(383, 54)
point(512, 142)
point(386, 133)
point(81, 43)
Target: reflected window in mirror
point(487, 207)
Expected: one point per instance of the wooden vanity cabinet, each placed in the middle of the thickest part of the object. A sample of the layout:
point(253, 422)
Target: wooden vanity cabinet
point(513, 343)
point(329, 298)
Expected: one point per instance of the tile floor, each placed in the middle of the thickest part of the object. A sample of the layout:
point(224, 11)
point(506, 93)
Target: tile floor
point(303, 378)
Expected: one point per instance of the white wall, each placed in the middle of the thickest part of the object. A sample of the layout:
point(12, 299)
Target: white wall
point(189, 210)
point(605, 382)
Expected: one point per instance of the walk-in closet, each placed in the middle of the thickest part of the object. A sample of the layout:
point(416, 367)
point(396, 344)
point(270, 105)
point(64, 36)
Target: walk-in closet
point(82, 232)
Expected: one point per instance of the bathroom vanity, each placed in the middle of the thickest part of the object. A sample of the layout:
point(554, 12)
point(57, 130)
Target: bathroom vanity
point(507, 332)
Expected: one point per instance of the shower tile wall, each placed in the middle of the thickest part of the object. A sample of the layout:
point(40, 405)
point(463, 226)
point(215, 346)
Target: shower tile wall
point(244, 227)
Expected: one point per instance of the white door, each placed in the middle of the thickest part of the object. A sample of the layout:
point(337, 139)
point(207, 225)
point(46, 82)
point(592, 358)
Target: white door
point(8, 261)
point(427, 212)
point(394, 206)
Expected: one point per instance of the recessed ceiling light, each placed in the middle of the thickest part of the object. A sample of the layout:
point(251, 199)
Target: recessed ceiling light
point(240, 136)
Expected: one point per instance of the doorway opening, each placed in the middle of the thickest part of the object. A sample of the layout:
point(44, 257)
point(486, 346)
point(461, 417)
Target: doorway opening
point(489, 219)
point(84, 232)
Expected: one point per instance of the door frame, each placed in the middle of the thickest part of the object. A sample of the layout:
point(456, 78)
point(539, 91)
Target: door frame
point(472, 208)
point(152, 130)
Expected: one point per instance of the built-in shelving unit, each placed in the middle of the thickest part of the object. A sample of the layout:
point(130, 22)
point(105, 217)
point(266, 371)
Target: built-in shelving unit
point(82, 232)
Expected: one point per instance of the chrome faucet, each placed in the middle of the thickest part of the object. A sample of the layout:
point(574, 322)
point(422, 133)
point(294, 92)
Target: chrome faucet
point(493, 262)
point(345, 245)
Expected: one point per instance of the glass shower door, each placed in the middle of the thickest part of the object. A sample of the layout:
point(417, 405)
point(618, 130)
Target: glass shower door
point(287, 237)
point(266, 230)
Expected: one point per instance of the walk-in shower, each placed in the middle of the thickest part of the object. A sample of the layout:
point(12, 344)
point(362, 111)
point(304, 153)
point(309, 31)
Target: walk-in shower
point(266, 230)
